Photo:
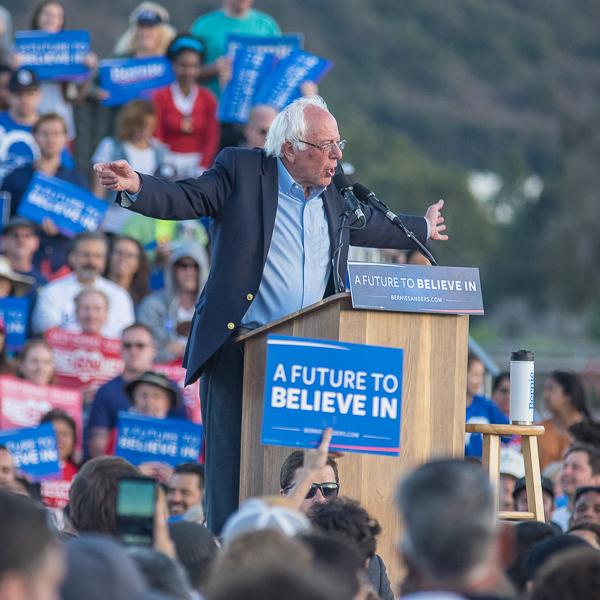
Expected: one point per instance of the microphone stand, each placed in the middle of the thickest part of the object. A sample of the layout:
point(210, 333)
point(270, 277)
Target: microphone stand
point(338, 282)
point(379, 205)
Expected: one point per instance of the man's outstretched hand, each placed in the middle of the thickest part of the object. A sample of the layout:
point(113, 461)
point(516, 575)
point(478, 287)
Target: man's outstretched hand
point(118, 176)
point(436, 221)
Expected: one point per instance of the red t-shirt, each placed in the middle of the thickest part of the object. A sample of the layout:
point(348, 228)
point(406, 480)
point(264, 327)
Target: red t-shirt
point(55, 492)
point(204, 137)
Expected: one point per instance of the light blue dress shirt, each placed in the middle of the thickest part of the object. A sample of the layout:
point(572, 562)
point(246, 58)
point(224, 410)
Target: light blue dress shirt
point(298, 262)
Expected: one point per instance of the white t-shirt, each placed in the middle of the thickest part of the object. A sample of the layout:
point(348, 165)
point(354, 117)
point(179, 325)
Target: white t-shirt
point(55, 306)
point(53, 100)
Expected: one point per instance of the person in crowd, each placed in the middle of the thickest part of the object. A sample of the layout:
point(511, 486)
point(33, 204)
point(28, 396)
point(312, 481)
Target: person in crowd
point(479, 408)
point(11, 282)
point(325, 486)
point(18, 145)
point(186, 112)
point(56, 300)
point(588, 531)
point(93, 495)
point(527, 535)
point(49, 16)
point(259, 121)
point(66, 439)
point(99, 568)
point(574, 575)
point(91, 312)
point(512, 468)
point(36, 363)
point(450, 538)
point(519, 496)
point(138, 351)
point(586, 432)
point(168, 312)
point(213, 29)
point(351, 523)
point(185, 488)
point(133, 141)
point(5, 73)
point(128, 267)
point(7, 367)
point(31, 562)
point(20, 242)
point(565, 399)
point(50, 135)
point(501, 392)
point(196, 550)
point(581, 468)
point(586, 505)
point(149, 32)
point(161, 573)
point(8, 472)
point(245, 192)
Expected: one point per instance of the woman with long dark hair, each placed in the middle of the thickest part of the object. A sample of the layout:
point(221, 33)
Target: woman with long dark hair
point(565, 400)
point(128, 266)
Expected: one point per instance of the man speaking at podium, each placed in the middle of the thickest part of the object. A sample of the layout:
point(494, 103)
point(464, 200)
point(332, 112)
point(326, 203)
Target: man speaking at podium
point(275, 216)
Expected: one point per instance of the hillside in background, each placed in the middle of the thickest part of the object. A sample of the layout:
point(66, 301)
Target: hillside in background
point(427, 91)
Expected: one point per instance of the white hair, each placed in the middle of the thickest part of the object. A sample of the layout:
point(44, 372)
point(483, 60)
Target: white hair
point(290, 125)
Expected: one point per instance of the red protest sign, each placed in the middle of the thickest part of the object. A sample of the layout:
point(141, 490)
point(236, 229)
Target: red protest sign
point(191, 394)
point(23, 403)
point(83, 360)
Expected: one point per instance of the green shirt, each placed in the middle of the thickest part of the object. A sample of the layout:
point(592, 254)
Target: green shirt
point(214, 29)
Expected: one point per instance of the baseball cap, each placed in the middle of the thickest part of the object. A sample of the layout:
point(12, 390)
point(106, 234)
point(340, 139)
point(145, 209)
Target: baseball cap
point(23, 79)
point(149, 18)
point(547, 486)
point(512, 463)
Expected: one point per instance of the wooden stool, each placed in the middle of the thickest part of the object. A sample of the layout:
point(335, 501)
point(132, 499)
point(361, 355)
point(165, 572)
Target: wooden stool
point(491, 462)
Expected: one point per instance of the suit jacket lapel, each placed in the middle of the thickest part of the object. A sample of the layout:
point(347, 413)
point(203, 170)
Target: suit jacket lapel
point(270, 199)
point(329, 204)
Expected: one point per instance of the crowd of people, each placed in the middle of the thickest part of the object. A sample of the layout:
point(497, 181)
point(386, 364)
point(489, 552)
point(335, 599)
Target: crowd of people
point(135, 284)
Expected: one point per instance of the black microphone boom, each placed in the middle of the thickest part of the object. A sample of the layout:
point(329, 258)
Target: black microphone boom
point(364, 194)
point(344, 187)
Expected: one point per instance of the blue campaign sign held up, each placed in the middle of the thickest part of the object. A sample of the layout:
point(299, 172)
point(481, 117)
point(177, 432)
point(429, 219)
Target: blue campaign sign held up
point(282, 86)
point(73, 209)
point(412, 288)
point(253, 59)
point(314, 384)
point(55, 56)
point(126, 79)
point(14, 313)
point(143, 439)
point(34, 451)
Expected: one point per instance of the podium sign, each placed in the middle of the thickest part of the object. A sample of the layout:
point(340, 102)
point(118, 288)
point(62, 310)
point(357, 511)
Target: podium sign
point(417, 289)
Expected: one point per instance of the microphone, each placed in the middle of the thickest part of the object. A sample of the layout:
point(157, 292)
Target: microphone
point(344, 187)
point(364, 194)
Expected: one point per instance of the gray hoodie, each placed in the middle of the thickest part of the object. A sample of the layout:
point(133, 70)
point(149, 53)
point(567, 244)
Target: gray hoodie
point(159, 310)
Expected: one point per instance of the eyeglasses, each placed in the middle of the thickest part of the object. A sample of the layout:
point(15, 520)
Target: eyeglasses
point(327, 147)
point(130, 345)
point(187, 265)
point(328, 489)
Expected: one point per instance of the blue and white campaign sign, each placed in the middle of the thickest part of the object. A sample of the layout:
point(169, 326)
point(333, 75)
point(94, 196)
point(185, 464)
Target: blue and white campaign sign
point(253, 59)
point(72, 208)
point(126, 79)
point(14, 313)
point(34, 451)
point(55, 56)
point(279, 45)
point(412, 288)
point(143, 439)
point(314, 384)
point(282, 86)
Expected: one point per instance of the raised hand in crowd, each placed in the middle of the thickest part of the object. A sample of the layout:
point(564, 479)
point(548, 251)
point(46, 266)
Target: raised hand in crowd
point(118, 176)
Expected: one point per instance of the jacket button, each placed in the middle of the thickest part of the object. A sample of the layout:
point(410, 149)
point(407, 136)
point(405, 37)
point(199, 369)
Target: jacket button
point(230, 326)
point(249, 297)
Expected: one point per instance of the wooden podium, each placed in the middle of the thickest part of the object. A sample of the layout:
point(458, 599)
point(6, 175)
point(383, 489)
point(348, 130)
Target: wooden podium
point(433, 401)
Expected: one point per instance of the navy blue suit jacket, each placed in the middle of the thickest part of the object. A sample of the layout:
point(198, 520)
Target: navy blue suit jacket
point(240, 193)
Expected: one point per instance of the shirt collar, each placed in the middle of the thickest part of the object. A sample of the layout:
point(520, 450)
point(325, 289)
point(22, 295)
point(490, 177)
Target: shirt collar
point(286, 183)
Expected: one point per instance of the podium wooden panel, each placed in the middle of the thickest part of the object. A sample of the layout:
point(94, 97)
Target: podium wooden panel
point(433, 401)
